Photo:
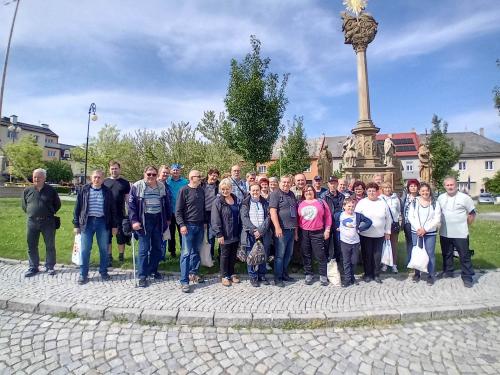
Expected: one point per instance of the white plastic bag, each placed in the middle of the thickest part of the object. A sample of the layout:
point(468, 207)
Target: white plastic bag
point(205, 256)
point(387, 254)
point(76, 256)
point(333, 273)
point(419, 258)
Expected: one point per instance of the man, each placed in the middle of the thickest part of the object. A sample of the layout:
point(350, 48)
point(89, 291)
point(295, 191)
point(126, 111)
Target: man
point(190, 215)
point(250, 176)
point(300, 184)
point(41, 202)
point(457, 213)
point(378, 179)
point(342, 187)
point(163, 173)
point(283, 210)
point(335, 201)
point(239, 186)
point(175, 182)
point(95, 213)
point(318, 188)
point(211, 189)
point(120, 188)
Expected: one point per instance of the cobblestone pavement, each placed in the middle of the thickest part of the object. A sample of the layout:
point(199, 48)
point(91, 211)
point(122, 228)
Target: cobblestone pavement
point(40, 344)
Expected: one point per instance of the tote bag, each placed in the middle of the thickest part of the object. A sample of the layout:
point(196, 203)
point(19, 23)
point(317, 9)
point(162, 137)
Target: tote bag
point(419, 258)
point(76, 256)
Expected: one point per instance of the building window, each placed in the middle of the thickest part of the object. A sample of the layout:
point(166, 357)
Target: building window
point(49, 140)
point(36, 138)
point(51, 153)
point(462, 165)
point(409, 166)
point(308, 169)
point(262, 169)
point(488, 165)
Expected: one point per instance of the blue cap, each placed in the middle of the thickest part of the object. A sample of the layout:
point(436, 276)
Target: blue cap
point(176, 166)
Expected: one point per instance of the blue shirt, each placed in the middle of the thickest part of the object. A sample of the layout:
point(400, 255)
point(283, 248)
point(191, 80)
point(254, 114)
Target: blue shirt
point(175, 186)
point(96, 202)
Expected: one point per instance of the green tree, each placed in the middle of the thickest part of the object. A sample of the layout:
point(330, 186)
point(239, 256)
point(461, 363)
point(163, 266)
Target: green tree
point(211, 127)
point(444, 153)
point(255, 102)
point(493, 184)
point(24, 156)
point(58, 170)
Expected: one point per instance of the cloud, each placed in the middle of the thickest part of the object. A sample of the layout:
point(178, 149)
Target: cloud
point(475, 119)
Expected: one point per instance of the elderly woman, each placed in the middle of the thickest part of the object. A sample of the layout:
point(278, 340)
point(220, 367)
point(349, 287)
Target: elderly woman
point(372, 239)
point(359, 188)
point(264, 188)
point(424, 216)
point(226, 225)
point(274, 184)
point(256, 226)
point(315, 220)
point(394, 203)
point(149, 211)
point(412, 187)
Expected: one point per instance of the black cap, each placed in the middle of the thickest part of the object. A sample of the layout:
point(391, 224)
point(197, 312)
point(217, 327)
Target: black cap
point(333, 179)
point(317, 178)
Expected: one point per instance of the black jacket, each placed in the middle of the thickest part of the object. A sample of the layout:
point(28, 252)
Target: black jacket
point(334, 202)
point(223, 224)
point(80, 213)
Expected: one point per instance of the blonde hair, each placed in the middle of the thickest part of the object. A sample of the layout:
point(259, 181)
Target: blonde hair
point(226, 182)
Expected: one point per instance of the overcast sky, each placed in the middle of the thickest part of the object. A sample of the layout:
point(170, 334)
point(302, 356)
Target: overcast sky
point(148, 63)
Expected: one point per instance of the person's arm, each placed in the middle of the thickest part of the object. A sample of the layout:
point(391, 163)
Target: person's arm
point(76, 211)
point(113, 212)
point(180, 211)
point(276, 222)
point(216, 221)
point(133, 210)
point(245, 218)
point(471, 216)
point(56, 201)
point(24, 204)
point(388, 223)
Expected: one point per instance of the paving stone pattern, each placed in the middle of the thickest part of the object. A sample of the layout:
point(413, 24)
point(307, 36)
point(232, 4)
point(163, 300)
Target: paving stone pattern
point(32, 343)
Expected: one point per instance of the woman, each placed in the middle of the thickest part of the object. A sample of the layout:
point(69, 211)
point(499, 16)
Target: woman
point(359, 189)
point(226, 225)
point(256, 226)
point(264, 188)
point(149, 211)
point(273, 184)
point(392, 201)
point(315, 221)
point(412, 187)
point(372, 239)
point(424, 216)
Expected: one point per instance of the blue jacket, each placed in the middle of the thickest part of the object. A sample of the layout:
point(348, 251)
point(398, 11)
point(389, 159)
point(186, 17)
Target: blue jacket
point(80, 214)
point(137, 205)
point(175, 186)
point(362, 222)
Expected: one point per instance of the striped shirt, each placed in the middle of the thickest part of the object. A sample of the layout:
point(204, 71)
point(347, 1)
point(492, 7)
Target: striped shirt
point(152, 200)
point(96, 202)
point(256, 213)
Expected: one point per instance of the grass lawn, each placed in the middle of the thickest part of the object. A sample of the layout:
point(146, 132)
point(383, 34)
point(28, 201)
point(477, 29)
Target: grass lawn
point(485, 240)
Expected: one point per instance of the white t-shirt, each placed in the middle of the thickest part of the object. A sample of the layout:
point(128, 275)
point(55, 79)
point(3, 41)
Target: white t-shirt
point(454, 212)
point(378, 212)
point(347, 228)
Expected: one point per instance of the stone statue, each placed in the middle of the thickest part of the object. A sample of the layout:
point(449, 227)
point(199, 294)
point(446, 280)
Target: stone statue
point(389, 150)
point(325, 163)
point(349, 152)
point(359, 31)
point(424, 156)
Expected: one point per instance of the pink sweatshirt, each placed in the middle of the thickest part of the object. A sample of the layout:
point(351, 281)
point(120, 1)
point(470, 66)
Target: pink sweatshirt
point(314, 215)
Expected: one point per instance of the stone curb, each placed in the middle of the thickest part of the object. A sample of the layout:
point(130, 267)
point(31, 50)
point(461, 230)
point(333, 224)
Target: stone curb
point(259, 320)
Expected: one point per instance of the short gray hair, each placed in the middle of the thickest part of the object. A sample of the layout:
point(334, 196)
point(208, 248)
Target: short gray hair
point(42, 171)
point(226, 182)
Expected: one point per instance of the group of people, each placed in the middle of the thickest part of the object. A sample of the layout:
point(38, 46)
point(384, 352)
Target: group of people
point(290, 218)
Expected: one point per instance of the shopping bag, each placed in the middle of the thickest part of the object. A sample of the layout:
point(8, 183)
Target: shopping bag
point(76, 256)
point(333, 273)
point(387, 254)
point(205, 256)
point(257, 255)
point(419, 258)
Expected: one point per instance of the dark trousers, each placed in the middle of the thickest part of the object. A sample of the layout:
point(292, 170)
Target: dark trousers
point(371, 251)
point(150, 245)
point(462, 246)
point(313, 242)
point(173, 227)
point(333, 250)
point(47, 228)
point(408, 240)
point(297, 251)
point(228, 259)
point(350, 254)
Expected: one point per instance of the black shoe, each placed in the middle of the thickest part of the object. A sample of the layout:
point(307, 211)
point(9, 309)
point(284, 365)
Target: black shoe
point(157, 276)
point(105, 277)
point(83, 280)
point(51, 271)
point(430, 281)
point(31, 272)
point(264, 281)
point(173, 255)
point(367, 279)
point(254, 283)
point(468, 284)
point(288, 278)
point(143, 283)
point(346, 284)
point(378, 280)
point(121, 257)
point(416, 278)
point(279, 283)
point(110, 260)
point(445, 275)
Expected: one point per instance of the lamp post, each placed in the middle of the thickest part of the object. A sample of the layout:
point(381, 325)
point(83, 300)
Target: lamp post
point(14, 130)
point(93, 117)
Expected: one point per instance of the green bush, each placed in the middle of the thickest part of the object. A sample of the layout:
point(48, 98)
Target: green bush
point(63, 189)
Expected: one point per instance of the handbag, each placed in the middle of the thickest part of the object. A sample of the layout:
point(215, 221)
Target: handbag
point(419, 258)
point(205, 256)
point(57, 221)
point(76, 255)
point(387, 254)
point(257, 255)
point(242, 254)
point(395, 226)
point(332, 271)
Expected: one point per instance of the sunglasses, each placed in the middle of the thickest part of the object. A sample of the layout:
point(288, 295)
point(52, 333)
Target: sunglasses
point(151, 174)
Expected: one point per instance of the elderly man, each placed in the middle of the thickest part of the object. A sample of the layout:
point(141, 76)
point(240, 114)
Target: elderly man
point(95, 214)
point(335, 201)
point(457, 213)
point(300, 184)
point(239, 186)
point(175, 183)
point(343, 187)
point(120, 188)
point(41, 202)
point(250, 179)
point(318, 188)
point(190, 215)
point(283, 211)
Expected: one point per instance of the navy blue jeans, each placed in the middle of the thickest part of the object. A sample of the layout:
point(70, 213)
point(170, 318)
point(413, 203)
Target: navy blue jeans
point(150, 242)
point(97, 226)
point(190, 252)
point(283, 253)
point(430, 246)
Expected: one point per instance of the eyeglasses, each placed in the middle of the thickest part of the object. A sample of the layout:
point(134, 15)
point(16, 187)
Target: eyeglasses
point(151, 174)
point(197, 176)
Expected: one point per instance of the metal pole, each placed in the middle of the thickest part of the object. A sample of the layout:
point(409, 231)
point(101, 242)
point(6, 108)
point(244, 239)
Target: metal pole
point(7, 56)
point(92, 109)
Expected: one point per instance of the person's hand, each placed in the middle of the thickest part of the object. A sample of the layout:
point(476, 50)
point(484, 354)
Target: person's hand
point(327, 234)
point(387, 236)
point(76, 230)
point(421, 232)
point(278, 232)
point(296, 236)
point(256, 233)
point(184, 230)
point(220, 240)
point(136, 226)
point(114, 231)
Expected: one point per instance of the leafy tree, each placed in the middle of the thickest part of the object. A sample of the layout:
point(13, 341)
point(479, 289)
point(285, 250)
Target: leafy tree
point(444, 153)
point(24, 156)
point(211, 127)
point(255, 102)
point(58, 170)
point(493, 184)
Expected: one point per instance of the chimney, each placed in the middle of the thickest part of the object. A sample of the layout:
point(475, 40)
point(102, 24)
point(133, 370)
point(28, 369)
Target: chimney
point(481, 132)
point(46, 126)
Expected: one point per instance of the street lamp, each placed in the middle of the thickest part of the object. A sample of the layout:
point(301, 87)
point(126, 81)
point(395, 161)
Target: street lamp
point(93, 117)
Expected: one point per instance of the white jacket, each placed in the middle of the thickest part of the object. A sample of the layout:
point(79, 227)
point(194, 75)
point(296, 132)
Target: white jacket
point(428, 218)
